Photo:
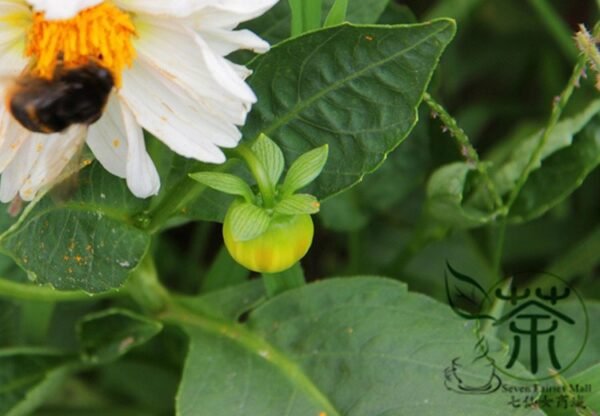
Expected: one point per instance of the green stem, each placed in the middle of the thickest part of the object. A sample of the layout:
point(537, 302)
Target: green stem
point(557, 110)
point(557, 28)
point(259, 173)
point(464, 144)
point(495, 310)
point(277, 283)
point(534, 160)
point(145, 288)
point(499, 248)
point(23, 291)
point(183, 193)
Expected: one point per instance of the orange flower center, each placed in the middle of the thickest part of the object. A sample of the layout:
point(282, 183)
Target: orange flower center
point(102, 34)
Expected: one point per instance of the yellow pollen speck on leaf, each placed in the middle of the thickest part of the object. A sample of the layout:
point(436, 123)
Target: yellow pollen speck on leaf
point(116, 143)
point(102, 34)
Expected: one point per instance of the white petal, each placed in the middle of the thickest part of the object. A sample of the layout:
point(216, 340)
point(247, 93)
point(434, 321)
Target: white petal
point(223, 42)
point(15, 175)
point(168, 112)
point(142, 176)
point(62, 9)
point(12, 136)
point(198, 70)
point(107, 139)
point(175, 8)
point(227, 14)
point(56, 151)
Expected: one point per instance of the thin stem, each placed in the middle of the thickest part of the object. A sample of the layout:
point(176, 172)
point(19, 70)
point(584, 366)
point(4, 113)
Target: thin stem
point(277, 283)
point(534, 160)
point(259, 173)
point(557, 28)
point(559, 105)
point(465, 146)
point(183, 193)
point(499, 248)
point(25, 291)
point(145, 288)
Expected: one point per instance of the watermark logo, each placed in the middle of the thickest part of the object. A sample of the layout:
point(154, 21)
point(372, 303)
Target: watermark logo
point(541, 320)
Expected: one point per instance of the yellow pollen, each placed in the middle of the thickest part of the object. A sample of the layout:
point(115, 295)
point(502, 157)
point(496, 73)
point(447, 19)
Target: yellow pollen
point(101, 34)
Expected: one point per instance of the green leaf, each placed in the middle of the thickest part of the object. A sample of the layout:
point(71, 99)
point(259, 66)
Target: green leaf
point(337, 348)
point(277, 283)
point(88, 242)
point(306, 15)
point(27, 378)
point(271, 157)
point(560, 175)
point(225, 182)
point(337, 13)
point(589, 377)
point(305, 169)
point(76, 250)
point(228, 303)
point(459, 197)
point(510, 170)
point(569, 338)
point(275, 25)
point(446, 192)
point(107, 335)
point(355, 88)
point(298, 204)
point(248, 221)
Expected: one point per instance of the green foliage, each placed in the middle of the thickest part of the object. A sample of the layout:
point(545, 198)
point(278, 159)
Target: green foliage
point(248, 221)
point(335, 347)
point(114, 305)
point(310, 83)
point(337, 14)
point(107, 335)
point(88, 243)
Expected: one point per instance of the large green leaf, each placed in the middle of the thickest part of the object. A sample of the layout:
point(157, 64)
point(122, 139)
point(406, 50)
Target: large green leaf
point(360, 346)
point(89, 242)
point(27, 377)
point(355, 88)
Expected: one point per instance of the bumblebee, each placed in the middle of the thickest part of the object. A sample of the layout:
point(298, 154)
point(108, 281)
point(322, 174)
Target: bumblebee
point(72, 96)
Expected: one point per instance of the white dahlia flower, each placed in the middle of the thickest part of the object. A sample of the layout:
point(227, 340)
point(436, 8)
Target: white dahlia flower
point(167, 58)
